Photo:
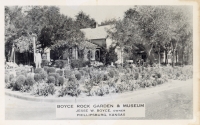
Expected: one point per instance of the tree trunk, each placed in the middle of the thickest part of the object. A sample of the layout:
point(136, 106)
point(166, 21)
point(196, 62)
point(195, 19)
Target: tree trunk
point(159, 59)
point(148, 49)
point(173, 57)
point(166, 60)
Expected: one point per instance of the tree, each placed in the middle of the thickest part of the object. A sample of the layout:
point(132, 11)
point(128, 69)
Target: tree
point(84, 21)
point(72, 38)
point(108, 22)
point(14, 27)
point(46, 36)
point(150, 26)
point(111, 55)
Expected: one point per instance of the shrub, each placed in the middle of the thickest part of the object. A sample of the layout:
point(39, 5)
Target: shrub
point(104, 89)
point(51, 89)
point(56, 76)
point(78, 76)
point(6, 78)
point(45, 68)
point(105, 77)
point(89, 85)
point(61, 63)
point(51, 79)
point(86, 69)
point(51, 70)
point(79, 63)
point(43, 75)
point(159, 75)
point(111, 73)
point(61, 80)
point(119, 88)
point(71, 88)
point(20, 80)
point(11, 76)
point(43, 89)
point(82, 72)
point(18, 73)
point(136, 76)
point(60, 72)
point(67, 73)
point(12, 82)
point(38, 70)
point(111, 56)
point(76, 64)
point(96, 77)
point(124, 78)
point(86, 63)
point(29, 81)
point(37, 77)
point(45, 62)
point(23, 72)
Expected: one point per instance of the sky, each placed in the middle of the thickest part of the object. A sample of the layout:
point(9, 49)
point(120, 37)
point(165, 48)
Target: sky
point(99, 13)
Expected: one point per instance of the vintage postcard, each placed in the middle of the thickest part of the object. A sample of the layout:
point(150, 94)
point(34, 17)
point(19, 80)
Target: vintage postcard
point(116, 62)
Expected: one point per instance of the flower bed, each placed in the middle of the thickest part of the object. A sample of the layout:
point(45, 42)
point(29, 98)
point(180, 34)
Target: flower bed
point(90, 81)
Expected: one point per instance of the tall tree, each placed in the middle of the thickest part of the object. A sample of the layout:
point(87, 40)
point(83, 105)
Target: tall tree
point(151, 26)
point(84, 21)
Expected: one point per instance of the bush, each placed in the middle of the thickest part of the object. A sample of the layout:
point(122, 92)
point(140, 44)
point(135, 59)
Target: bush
point(105, 77)
point(43, 75)
point(11, 76)
point(37, 77)
point(38, 70)
point(111, 73)
point(119, 88)
point(45, 62)
point(82, 72)
point(76, 63)
point(51, 70)
point(6, 78)
point(45, 68)
point(79, 63)
point(43, 89)
point(89, 85)
point(61, 63)
point(12, 82)
point(20, 80)
point(96, 77)
point(78, 76)
point(60, 72)
point(85, 63)
point(159, 75)
point(51, 79)
point(56, 76)
point(71, 88)
point(111, 56)
point(61, 80)
point(51, 89)
point(18, 73)
point(29, 81)
point(136, 76)
point(67, 73)
point(23, 72)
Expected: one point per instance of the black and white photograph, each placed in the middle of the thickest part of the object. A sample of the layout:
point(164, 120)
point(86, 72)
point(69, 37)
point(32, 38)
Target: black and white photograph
point(122, 62)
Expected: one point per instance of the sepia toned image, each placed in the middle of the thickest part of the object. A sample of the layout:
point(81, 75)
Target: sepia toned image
point(125, 62)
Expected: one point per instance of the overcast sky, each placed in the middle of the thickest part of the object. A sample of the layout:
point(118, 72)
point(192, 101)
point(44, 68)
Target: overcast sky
point(99, 13)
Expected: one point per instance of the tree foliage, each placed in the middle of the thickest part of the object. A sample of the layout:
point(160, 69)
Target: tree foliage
point(152, 26)
point(84, 21)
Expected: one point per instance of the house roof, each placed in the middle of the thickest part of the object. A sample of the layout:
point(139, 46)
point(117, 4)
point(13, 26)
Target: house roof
point(96, 33)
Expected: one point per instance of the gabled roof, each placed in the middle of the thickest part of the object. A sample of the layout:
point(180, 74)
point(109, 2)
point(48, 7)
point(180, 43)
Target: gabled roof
point(96, 33)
